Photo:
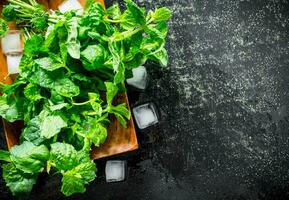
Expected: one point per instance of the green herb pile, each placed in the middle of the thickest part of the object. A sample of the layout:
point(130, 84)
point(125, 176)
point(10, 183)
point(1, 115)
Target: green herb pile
point(72, 68)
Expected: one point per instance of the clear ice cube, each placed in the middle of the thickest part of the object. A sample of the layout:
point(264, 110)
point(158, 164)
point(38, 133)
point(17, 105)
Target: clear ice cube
point(69, 5)
point(13, 61)
point(145, 115)
point(11, 42)
point(115, 170)
point(139, 79)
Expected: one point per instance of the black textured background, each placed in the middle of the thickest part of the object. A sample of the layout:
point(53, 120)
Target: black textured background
point(223, 102)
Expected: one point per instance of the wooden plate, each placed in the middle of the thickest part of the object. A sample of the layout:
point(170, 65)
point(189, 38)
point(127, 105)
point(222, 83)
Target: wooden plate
point(119, 139)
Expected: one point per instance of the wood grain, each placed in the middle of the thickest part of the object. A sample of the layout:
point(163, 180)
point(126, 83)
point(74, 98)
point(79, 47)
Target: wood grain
point(119, 139)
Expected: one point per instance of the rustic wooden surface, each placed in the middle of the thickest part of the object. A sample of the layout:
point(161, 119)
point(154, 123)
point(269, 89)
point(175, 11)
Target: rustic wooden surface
point(119, 139)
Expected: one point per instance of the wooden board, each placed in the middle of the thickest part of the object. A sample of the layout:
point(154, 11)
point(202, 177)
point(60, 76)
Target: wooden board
point(119, 139)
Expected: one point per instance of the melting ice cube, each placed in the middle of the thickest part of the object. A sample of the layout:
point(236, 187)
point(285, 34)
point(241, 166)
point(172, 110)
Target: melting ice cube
point(145, 115)
point(139, 79)
point(115, 170)
point(69, 5)
point(13, 61)
point(11, 42)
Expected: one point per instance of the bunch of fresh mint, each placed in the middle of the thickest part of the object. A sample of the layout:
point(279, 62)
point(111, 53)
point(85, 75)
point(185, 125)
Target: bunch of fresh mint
point(69, 61)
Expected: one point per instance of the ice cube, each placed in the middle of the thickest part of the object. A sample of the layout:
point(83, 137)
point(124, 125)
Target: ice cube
point(145, 115)
point(69, 5)
point(115, 170)
point(139, 79)
point(11, 42)
point(13, 61)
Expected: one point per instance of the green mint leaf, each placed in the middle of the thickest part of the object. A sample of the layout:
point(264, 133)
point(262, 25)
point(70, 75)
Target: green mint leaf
point(160, 56)
point(29, 157)
point(32, 92)
point(40, 22)
point(128, 21)
point(5, 156)
point(88, 4)
point(111, 91)
point(161, 14)
point(138, 60)
point(63, 156)
point(48, 63)
point(120, 74)
point(121, 113)
point(73, 181)
point(96, 107)
point(122, 110)
point(42, 78)
point(47, 130)
point(17, 181)
point(137, 12)
point(114, 11)
point(73, 48)
point(72, 184)
point(63, 52)
point(3, 28)
point(34, 45)
point(96, 133)
point(87, 171)
point(121, 119)
point(58, 106)
point(135, 43)
point(9, 13)
point(32, 131)
point(155, 33)
point(8, 109)
point(56, 98)
point(66, 87)
point(94, 54)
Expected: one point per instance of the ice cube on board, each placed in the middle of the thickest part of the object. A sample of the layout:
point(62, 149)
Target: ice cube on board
point(139, 79)
point(145, 115)
point(11, 42)
point(69, 5)
point(13, 61)
point(115, 170)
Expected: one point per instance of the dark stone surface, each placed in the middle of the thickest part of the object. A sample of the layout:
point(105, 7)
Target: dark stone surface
point(224, 110)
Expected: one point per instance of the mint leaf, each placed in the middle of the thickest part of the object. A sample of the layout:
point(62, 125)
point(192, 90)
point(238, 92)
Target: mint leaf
point(42, 78)
point(18, 181)
point(111, 91)
point(29, 157)
point(119, 77)
point(121, 109)
point(73, 48)
point(121, 119)
point(88, 4)
point(3, 28)
point(58, 106)
point(73, 181)
point(72, 184)
point(8, 109)
point(65, 87)
point(5, 156)
point(136, 12)
point(9, 13)
point(96, 133)
point(63, 156)
point(114, 11)
point(34, 45)
point(160, 56)
point(161, 14)
point(32, 92)
point(50, 125)
point(94, 54)
point(32, 132)
point(48, 64)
